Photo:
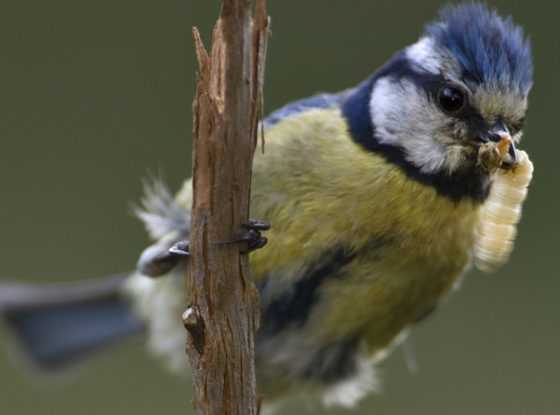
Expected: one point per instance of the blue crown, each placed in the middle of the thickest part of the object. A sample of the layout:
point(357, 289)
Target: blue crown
point(490, 49)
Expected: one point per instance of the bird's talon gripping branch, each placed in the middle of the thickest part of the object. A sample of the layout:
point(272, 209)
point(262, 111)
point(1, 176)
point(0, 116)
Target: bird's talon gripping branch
point(254, 240)
point(181, 248)
point(257, 225)
point(253, 236)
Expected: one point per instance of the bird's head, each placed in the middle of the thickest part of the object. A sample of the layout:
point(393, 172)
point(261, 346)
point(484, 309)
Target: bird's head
point(463, 83)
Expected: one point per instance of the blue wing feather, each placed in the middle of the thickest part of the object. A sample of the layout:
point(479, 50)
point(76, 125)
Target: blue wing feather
point(298, 107)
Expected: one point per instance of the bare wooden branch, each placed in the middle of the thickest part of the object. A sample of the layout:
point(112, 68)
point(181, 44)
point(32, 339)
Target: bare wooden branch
point(224, 314)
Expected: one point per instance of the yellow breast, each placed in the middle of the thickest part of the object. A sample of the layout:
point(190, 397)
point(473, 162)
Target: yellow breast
point(321, 191)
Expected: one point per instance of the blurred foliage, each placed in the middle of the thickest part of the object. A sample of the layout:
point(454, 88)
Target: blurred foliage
point(95, 95)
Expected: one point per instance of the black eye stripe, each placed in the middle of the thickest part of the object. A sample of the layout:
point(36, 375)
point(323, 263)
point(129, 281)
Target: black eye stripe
point(400, 68)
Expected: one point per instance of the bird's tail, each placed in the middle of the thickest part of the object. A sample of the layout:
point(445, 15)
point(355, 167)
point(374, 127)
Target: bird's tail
point(60, 324)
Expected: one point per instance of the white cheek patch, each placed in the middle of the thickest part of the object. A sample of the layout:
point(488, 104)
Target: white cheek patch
point(404, 117)
point(385, 105)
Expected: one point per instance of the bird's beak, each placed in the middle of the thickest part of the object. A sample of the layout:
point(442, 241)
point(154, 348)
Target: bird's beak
point(512, 153)
point(500, 134)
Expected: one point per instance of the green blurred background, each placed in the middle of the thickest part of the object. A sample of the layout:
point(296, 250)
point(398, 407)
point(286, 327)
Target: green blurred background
point(95, 95)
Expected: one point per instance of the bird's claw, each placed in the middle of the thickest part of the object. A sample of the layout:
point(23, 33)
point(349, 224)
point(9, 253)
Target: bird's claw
point(254, 240)
point(257, 225)
point(252, 236)
point(181, 249)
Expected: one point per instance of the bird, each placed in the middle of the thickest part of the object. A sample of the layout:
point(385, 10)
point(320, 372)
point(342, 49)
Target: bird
point(373, 195)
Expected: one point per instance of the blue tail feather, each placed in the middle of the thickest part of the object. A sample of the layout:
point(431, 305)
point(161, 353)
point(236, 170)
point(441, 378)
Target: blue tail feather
point(60, 326)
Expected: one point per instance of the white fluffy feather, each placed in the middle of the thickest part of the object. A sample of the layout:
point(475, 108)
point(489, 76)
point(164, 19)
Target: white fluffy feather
point(349, 392)
point(159, 302)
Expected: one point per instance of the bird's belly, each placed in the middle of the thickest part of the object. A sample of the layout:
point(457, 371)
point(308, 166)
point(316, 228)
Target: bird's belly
point(393, 286)
point(379, 296)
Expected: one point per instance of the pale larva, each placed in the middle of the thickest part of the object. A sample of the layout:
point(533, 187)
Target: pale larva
point(501, 212)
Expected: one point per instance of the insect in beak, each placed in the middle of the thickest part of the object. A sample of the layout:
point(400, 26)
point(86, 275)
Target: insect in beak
point(500, 134)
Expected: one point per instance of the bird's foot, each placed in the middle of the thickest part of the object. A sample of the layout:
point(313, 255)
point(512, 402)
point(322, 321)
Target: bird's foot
point(159, 259)
point(181, 248)
point(252, 236)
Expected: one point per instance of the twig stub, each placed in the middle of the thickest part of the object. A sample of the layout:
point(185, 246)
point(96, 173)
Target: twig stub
point(195, 327)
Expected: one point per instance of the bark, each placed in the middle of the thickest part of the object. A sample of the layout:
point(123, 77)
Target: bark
point(224, 314)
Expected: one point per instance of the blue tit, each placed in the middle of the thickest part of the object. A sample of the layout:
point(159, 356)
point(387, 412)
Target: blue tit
point(373, 194)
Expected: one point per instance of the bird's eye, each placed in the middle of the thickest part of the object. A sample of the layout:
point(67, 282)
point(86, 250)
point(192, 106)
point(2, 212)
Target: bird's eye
point(451, 99)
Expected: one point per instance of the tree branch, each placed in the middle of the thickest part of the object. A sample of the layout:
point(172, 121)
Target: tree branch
point(224, 314)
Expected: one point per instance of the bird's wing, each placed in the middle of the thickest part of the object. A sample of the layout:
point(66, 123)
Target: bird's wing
point(162, 214)
point(167, 218)
point(324, 100)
